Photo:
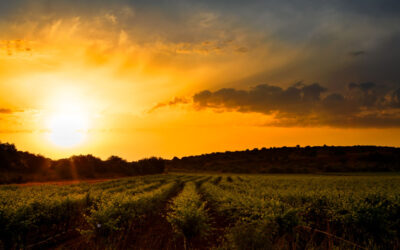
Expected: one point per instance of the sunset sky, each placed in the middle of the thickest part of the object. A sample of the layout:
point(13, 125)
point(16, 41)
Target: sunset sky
point(175, 78)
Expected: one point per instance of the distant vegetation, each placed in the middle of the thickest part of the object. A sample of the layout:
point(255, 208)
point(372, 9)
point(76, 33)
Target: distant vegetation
point(294, 160)
point(17, 166)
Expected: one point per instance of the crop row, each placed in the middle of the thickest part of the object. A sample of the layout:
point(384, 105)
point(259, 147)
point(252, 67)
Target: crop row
point(188, 216)
point(272, 211)
point(29, 214)
point(114, 213)
point(262, 212)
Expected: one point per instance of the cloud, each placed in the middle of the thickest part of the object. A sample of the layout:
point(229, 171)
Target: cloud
point(263, 98)
point(6, 111)
point(333, 36)
point(174, 102)
point(362, 105)
point(15, 131)
point(242, 50)
point(333, 42)
point(357, 53)
point(18, 46)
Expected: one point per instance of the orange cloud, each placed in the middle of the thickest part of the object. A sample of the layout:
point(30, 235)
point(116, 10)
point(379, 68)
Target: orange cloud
point(12, 47)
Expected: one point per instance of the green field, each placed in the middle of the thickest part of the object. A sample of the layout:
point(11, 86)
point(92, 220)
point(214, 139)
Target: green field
point(178, 211)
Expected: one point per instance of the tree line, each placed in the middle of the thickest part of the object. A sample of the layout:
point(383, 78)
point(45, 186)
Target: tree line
point(319, 159)
point(17, 166)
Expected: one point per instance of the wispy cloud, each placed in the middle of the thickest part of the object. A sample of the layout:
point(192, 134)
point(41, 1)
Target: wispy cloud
point(5, 111)
point(173, 102)
point(15, 131)
point(12, 47)
point(10, 111)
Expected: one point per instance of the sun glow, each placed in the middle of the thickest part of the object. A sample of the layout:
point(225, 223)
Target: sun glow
point(67, 130)
point(68, 123)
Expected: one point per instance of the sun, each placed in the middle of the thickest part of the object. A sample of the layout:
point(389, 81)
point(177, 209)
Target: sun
point(68, 129)
point(67, 121)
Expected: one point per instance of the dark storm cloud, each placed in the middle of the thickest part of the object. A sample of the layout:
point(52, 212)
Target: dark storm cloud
point(294, 20)
point(331, 63)
point(380, 63)
point(262, 98)
point(362, 105)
